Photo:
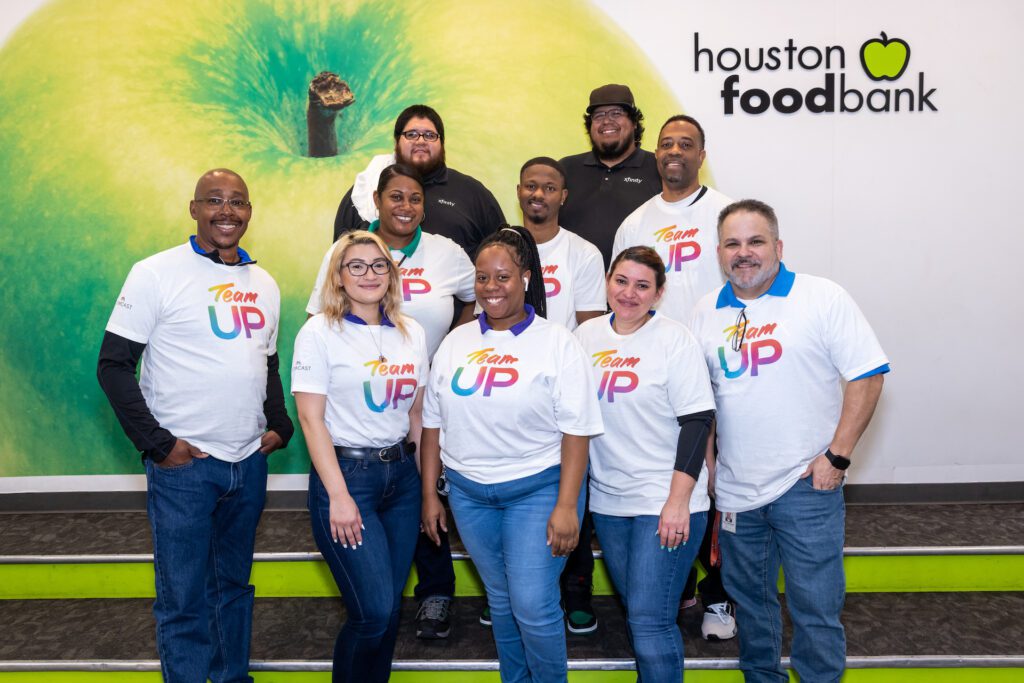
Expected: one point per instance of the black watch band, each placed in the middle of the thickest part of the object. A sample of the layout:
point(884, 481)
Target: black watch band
point(838, 461)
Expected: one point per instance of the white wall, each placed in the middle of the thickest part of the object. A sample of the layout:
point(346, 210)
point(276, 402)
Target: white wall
point(908, 211)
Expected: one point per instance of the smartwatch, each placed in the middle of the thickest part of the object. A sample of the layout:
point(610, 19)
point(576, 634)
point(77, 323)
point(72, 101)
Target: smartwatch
point(838, 461)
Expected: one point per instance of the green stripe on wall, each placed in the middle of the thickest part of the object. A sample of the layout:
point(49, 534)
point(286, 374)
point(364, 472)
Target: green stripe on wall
point(864, 574)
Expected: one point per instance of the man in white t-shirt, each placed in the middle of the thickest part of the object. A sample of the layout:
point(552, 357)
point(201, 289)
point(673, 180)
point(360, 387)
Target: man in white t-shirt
point(681, 225)
point(779, 346)
point(573, 268)
point(206, 411)
point(680, 222)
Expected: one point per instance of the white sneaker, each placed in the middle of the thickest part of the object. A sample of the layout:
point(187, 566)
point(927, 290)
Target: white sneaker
point(719, 622)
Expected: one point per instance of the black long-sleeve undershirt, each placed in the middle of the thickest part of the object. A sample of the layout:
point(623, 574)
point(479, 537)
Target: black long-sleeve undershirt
point(118, 360)
point(693, 441)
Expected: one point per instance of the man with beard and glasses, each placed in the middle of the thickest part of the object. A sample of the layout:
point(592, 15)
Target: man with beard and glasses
point(456, 205)
point(779, 346)
point(615, 176)
point(680, 224)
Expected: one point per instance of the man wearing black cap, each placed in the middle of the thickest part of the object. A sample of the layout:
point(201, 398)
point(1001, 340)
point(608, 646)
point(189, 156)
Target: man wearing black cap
point(616, 176)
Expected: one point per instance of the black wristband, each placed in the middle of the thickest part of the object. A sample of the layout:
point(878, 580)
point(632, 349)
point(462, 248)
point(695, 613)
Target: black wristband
point(838, 461)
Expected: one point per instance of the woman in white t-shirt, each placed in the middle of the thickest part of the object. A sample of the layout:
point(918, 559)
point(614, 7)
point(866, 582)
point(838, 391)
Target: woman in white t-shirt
point(648, 480)
point(433, 270)
point(509, 410)
point(357, 376)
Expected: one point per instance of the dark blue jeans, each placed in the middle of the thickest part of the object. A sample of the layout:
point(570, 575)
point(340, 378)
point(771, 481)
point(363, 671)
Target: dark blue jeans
point(650, 581)
point(371, 576)
point(803, 531)
point(204, 515)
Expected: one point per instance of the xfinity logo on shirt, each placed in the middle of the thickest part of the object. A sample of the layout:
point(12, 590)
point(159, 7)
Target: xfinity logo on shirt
point(627, 179)
point(445, 202)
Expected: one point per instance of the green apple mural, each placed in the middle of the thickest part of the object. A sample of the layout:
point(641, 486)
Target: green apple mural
point(112, 110)
point(884, 59)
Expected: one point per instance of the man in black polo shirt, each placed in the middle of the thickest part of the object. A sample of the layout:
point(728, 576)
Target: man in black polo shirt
point(457, 206)
point(615, 176)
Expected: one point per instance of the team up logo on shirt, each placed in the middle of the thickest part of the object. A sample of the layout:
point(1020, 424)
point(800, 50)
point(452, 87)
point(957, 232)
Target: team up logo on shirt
point(493, 371)
point(613, 380)
point(754, 351)
point(682, 246)
point(413, 283)
point(552, 286)
point(244, 317)
point(396, 388)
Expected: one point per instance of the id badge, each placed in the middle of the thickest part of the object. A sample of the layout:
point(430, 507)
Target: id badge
point(729, 522)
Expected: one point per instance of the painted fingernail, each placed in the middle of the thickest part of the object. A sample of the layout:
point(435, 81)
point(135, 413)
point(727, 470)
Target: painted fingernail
point(360, 542)
point(362, 527)
point(662, 547)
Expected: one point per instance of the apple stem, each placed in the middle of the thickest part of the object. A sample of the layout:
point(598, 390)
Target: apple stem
point(323, 136)
point(885, 38)
point(328, 95)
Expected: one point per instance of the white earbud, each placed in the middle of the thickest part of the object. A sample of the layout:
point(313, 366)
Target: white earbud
point(526, 282)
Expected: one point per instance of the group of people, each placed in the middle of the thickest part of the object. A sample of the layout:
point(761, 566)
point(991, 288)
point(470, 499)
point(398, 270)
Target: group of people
point(633, 356)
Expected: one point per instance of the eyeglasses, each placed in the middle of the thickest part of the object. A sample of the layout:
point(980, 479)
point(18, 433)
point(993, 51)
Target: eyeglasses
point(613, 114)
point(414, 135)
point(358, 268)
point(218, 202)
point(739, 331)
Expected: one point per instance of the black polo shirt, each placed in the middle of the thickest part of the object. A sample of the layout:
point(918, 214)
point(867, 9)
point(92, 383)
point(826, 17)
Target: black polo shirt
point(457, 206)
point(600, 197)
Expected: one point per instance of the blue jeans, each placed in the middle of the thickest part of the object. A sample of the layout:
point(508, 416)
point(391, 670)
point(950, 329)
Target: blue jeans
point(650, 581)
point(370, 577)
point(804, 532)
point(204, 515)
point(504, 528)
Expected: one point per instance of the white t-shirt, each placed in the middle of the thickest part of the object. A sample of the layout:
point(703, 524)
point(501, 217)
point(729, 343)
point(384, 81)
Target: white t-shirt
point(779, 398)
point(504, 398)
point(368, 401)
point(685, 235)
point(645, 380)
point(437, 271)
point(208, 330)
point(573, 277)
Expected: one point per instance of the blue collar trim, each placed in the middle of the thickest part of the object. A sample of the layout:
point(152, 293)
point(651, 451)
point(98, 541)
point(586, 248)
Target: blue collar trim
point(243, 257)
point(353, 318)
point(516, 329)
point(781, 286)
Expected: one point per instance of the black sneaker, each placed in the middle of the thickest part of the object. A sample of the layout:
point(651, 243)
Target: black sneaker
point(485, 616)
point(579, 612)
point(433, 620)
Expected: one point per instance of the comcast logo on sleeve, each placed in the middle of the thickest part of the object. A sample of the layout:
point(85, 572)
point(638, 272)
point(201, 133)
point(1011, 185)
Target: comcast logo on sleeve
point(884, 87)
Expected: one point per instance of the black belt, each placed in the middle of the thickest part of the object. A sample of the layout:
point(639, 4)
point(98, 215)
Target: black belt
point(386, 454)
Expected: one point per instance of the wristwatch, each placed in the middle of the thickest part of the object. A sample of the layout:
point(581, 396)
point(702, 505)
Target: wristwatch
point(838, 461)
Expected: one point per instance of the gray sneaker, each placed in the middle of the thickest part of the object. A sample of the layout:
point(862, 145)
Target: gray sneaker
point(434, 618)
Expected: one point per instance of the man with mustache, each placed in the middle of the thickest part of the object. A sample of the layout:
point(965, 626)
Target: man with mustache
point(680, 224)
point(778, 346)
point(206, 410)
point(615, 176)
point(458, 206)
